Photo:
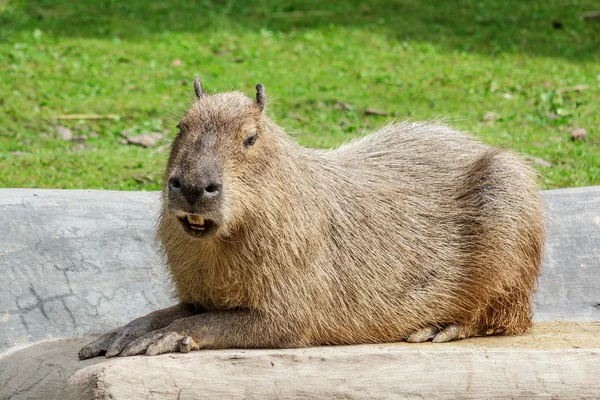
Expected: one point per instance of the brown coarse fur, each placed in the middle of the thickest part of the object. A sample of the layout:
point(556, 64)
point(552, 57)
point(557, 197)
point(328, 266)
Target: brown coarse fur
point(415, 232)
point(413, 226)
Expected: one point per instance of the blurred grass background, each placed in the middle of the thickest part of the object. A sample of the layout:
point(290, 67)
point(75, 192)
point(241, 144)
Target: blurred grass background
point(520, 74)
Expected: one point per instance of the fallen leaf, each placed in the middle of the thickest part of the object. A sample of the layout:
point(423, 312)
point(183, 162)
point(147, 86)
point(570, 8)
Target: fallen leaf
point(238, 59)
point(537, 161)
point(80, 138)
point(578, 134)
point(88, 116)
point(490, 116)
point(221, 52)
point(576, 88)
point(374, 111)
point(125, 133)
point(64, 132)
point(298, 117)
point(344, 105)
point(177, 62)
point(591, 15)
point(300, 14)
point(145, 139)
point(143, 179)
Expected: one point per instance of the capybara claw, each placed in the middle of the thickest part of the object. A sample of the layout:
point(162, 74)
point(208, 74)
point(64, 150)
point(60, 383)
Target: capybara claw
point(436, 335)
point(454, 332)
point(422, 335)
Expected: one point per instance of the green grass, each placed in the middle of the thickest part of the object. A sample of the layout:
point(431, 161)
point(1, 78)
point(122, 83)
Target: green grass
point(423, 59)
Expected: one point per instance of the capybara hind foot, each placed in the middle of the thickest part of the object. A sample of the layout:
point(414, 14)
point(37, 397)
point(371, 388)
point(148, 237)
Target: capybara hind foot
point(447, 334)
point(455, 332)
point(423, 335)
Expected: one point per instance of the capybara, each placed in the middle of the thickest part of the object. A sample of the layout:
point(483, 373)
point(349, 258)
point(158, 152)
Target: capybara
point(414, 232)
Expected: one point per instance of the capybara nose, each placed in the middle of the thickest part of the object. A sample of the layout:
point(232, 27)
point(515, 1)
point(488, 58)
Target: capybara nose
point(174, 183)
point(212, 190)
point(203, 190)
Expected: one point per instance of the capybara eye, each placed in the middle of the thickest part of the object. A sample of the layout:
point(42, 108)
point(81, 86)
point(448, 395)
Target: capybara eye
point(250, 141)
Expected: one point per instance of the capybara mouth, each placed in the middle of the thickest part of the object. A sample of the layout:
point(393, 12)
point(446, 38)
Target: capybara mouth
point(197, 226)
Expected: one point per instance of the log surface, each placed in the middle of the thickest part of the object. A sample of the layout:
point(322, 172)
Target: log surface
point(555, 360)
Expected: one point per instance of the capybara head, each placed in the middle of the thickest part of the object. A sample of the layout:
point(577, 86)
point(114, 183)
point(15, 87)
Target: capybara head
point(216, 160)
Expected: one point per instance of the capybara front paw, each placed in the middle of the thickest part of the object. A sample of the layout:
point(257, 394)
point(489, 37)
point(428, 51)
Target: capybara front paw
point(112, 343)
point(160, 342)
point(99, 346)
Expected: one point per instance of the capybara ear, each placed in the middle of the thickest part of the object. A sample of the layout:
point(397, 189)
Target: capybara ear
point(261, 97)
point(198, 88)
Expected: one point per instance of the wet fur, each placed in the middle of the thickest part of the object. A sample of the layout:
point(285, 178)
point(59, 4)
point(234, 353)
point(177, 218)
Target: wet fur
point(411, 226)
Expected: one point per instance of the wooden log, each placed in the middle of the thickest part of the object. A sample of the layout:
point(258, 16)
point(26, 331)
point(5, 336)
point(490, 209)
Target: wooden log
point(556, 360)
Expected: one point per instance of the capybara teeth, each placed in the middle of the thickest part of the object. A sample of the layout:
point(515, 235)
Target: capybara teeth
point(195, 219)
